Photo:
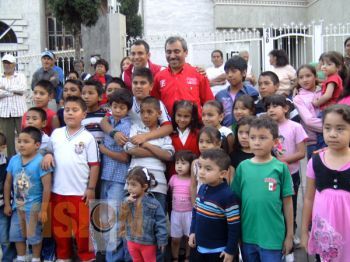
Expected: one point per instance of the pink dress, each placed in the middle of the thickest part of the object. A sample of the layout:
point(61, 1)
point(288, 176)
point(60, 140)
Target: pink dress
point(330, 234)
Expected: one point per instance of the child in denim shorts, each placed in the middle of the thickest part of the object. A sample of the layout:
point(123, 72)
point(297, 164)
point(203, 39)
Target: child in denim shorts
point(31, 190)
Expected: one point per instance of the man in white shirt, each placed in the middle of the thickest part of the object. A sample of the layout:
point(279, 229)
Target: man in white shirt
point(250, 76)
point(216, 74)
point(13, 86)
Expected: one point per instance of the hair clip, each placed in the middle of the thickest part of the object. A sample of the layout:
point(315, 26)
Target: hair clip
point(145, 171)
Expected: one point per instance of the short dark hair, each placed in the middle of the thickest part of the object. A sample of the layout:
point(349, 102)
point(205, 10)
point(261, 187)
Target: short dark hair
point(73, 72)
point(117, 80)
point(274, 78)
point(143, 72)
point(78, 100)
point(33, 132)
point(40, 111)
point(143, 176)
point(151, 100)
point(2, 139)
point(218, 156)
point(217, 51)
point(121, 96)
point(346, 41)
point(77, 82)
point(236, 62)
point(98, 86)
point(267, 123)
point(47, 85)
point(143, 43)
point(172, 39)
point(281, 57)
point(216, 104)
point(276, 100)
point(103, 62)
point(247, 101)
point(186, 155)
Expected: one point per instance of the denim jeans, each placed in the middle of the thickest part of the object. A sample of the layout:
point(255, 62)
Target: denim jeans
point(8, 249)
point(116, 248)
point(254, 253)
point(162, 200)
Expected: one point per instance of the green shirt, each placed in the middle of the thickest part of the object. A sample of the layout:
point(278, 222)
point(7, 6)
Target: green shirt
point(261, 188)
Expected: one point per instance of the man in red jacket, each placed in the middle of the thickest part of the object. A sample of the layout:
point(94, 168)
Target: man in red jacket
point(180, 80)
point(139, 58)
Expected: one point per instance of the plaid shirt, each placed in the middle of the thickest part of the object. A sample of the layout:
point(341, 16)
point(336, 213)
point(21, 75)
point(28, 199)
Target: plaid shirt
point(12, 95)
point(113, 170)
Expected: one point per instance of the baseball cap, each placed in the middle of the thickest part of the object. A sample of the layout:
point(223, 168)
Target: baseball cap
point(47, 53)
point(9, 58)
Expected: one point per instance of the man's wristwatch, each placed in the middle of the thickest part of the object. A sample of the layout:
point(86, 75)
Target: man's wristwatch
point(112, 133)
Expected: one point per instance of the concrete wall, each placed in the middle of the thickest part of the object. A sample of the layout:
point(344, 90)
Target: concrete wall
point(30, 25)
point(331, 11)
point(105, 39)
point(161, 16)
point(228, 16)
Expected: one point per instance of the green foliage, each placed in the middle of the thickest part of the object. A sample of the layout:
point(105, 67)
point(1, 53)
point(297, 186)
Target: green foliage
point(130, 9)
point(73, 13)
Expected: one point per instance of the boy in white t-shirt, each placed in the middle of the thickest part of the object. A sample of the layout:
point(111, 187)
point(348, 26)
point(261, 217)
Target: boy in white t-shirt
point(76, 161)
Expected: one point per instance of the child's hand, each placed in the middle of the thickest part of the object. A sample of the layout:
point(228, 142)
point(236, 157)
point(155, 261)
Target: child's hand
point(287, 245)
point(304, 240)
point(120, 138)
point(42, 216)
point(315, 102)
point(131, 198)
point(227, 257)
point(161, 248)
point(192, 240)
point(48, 162)
point(88, 195)
point(102, 148)
point(7, 210)
point(139, 139)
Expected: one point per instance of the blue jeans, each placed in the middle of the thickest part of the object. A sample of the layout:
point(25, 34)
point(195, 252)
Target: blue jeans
point(116, 248)
point(254, 253)
point(8, 249)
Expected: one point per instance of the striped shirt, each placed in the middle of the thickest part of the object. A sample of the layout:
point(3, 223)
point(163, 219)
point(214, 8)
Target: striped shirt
point(12, 95)
point(216, 218)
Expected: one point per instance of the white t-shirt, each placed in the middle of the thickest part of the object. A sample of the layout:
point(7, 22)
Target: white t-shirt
point(153, 164)
point(73, 155)
point(225, 131)
point(213, 72)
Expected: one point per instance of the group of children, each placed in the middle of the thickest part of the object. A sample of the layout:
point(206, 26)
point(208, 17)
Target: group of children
point(230, 183)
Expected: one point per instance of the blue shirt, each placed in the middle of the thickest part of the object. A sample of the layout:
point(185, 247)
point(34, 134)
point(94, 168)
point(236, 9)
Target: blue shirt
point(27, 185)
point(225, 99)
point(114, 170)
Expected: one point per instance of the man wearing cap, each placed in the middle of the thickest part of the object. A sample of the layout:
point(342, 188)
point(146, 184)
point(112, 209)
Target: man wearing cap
point(46, 72)
point(13, 86)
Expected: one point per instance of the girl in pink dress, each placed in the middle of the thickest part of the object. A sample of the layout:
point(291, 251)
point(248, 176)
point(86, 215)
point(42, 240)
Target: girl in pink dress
point(327, 198)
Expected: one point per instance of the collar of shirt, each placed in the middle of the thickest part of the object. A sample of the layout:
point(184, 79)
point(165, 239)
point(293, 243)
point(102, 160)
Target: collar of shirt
point(183, 135)
point(184, 67)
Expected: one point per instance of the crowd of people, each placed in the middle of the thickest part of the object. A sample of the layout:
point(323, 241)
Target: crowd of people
point(218, 154)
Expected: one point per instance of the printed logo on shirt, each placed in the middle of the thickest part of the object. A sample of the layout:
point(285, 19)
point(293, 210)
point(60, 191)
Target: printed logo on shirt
point(279, 149)
point(162, 83)
point(272, 183)
point(191, 81)
point(79, 148)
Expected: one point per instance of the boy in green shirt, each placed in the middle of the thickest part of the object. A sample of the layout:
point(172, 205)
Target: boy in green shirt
point(264, 186)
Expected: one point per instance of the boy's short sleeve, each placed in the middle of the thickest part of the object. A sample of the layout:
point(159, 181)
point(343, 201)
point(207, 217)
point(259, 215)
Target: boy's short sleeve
point(168, 145)
point(236, 183)
point(133, 132)
point(286, 182)
point(9, 168)
point(300, 135)
point(164, 118)
point(93, 155)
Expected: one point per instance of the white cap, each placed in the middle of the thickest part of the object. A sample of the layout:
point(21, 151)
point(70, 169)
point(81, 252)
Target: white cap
point(9, 58)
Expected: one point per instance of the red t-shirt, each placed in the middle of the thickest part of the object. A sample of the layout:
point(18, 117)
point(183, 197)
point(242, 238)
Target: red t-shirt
point(337, 90)
point(48, 128)
point(188, 84)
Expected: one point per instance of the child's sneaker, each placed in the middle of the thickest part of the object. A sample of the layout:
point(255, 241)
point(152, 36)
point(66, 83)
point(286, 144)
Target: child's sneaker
point(289, 257)
point(296, 240)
